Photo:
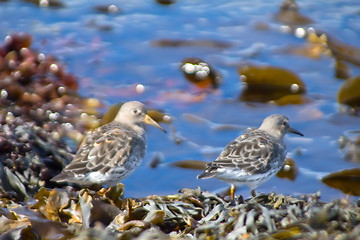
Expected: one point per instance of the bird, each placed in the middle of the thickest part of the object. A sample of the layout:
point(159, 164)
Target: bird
point(253, 157)
point(111, 152)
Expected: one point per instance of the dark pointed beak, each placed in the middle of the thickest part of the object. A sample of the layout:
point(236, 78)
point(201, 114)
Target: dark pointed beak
point(151, 121)
point(292, 130)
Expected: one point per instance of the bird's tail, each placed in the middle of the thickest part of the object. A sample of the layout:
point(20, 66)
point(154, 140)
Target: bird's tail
point(206, 174)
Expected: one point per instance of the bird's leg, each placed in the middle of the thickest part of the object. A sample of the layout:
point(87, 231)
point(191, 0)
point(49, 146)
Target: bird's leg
point(253, 192)
point(232, 192)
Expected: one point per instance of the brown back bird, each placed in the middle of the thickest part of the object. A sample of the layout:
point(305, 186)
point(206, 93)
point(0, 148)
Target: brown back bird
point(110, 153)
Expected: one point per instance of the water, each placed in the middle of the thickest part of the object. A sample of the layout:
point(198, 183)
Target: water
point(111, 53)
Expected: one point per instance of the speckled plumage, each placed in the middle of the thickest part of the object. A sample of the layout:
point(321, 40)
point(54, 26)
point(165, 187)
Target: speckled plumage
point(110, 153)
point(253, 157)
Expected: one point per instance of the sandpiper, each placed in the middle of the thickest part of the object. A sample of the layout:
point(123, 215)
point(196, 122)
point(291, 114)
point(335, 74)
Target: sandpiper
point(111, 152)
point(254, 157)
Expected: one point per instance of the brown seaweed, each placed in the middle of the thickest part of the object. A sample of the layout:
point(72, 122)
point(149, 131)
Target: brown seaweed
point(268, 83)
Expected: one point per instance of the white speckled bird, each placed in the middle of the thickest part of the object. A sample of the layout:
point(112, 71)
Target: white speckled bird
point(111, 152)
point(254, 157)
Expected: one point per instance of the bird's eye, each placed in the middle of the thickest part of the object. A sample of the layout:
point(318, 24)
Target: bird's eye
point(135, 111)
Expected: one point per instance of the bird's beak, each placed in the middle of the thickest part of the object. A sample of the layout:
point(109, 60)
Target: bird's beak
point(292, 130)
point(150, 121)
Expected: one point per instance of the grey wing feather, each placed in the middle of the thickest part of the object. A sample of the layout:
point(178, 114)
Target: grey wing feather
point(251, 152)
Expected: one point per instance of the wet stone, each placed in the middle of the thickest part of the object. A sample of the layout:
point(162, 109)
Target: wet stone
point(290, 15)
point(349, 143)
point(270, 83)
point(200, 73)
point(349, 95)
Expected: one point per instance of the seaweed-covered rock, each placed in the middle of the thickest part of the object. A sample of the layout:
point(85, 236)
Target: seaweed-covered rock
point(190, 214)
point(39, 110)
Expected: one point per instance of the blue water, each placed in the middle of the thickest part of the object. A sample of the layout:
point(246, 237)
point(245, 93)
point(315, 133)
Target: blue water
point(109, 64)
